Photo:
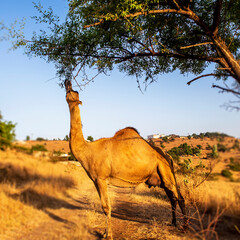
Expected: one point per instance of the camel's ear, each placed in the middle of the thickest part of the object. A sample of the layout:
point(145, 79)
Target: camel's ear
point(80, 102)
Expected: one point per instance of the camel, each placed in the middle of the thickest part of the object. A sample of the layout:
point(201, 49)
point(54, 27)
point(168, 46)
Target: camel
point(124, 160)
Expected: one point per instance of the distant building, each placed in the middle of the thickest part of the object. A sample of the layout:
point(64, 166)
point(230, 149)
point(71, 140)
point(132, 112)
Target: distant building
point(155, 136)
point(183, 136)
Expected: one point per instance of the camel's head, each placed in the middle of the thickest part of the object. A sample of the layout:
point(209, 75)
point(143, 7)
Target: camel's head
point(71, 95)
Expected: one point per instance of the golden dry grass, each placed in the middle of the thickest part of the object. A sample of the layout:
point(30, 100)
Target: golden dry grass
point(44, 200)
point(29, 187)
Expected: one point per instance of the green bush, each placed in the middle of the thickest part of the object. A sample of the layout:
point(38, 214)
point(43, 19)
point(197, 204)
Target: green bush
point(187, 169)
point(165, 139)
point(221, 147)
point(234, 166)
point(71, 157)
point(226, 173)
point(40, 139)
point(214, 153)
point(7, 133)
point(22, 149)
point(236, 145)
point(38, 147)
point(184, 150)
point(208, 147)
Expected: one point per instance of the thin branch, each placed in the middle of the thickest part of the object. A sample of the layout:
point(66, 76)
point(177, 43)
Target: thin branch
point(206, 176)
point(224, 68)
point(231, 105)
point(205, 75)
point(175, 2)
point(196, 45)
point(226, 89)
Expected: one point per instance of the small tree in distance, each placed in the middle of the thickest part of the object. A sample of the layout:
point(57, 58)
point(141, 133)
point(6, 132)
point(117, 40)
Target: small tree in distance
point(90, 138)
point(66, 138)
point(7, 133)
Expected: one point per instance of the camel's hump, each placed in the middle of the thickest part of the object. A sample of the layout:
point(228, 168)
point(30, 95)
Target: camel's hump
point(127, 131)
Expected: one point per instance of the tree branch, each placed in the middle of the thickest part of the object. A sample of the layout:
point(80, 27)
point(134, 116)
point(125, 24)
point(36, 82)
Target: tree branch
point(182, 12)
point(217, 16)
point(226, 90)
point(205, 75)
point(148, 54)
point(196, 45)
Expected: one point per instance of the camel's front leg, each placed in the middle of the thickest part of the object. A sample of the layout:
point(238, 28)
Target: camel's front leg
point(102, 189)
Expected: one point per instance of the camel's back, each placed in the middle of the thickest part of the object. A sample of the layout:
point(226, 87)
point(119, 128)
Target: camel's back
point(133, 159)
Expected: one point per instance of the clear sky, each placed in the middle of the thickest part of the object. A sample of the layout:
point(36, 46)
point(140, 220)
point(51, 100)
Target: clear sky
point(30, 97)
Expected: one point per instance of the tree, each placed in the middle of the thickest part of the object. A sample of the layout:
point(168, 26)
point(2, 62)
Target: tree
point(90, 138)
point(7, 133)
point(144, 38)
point(66, 138)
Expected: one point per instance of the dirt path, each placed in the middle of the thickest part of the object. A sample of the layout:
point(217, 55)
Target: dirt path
point(82, 218)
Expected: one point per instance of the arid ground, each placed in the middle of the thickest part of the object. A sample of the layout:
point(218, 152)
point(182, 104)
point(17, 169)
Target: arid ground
point(47, 198)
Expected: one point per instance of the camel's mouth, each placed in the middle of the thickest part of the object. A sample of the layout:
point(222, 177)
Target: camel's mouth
point(68, 85)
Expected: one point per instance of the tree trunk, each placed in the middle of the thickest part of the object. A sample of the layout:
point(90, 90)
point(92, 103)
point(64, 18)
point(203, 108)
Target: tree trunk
point(232, 65)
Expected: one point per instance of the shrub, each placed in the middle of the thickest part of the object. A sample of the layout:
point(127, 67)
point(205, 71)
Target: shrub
point(71, 158)
point(165, 139)
point(221, 147)
point(22, 149)
point(38, 147)
point(234, 166)
point(161, 145)
point(236, 145)
point(7, 133)
point(226, 173)
point(183, 149)
point(175, 153)
point(214, 153)
point(208, 147)
point(185, 167)
point(40, 139)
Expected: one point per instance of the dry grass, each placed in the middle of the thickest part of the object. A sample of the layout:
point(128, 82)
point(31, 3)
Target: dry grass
point(29, 187)
point(45, 200)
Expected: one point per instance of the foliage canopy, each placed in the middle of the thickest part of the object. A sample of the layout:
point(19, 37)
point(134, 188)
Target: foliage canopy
point(143, 38)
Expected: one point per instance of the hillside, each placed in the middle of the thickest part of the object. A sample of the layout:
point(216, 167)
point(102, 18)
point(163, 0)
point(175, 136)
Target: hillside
point(227, 152)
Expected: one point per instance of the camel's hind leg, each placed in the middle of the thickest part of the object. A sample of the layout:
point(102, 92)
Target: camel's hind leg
point(173, 199)
point(168, 182)
point(181, 203)
point(102, 189)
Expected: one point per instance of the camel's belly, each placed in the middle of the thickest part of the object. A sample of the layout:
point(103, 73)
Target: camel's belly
point(117, 182)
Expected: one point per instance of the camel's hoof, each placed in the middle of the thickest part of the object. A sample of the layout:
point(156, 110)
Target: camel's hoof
point(174, 223)
point(107, 237)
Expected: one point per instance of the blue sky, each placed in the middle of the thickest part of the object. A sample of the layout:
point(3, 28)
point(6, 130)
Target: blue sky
point(30, 97)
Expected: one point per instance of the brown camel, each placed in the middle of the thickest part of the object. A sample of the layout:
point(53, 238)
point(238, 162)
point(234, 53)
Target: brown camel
point(124, 160)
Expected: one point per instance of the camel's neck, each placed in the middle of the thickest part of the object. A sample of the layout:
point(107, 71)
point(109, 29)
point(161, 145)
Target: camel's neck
point(77, 141)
